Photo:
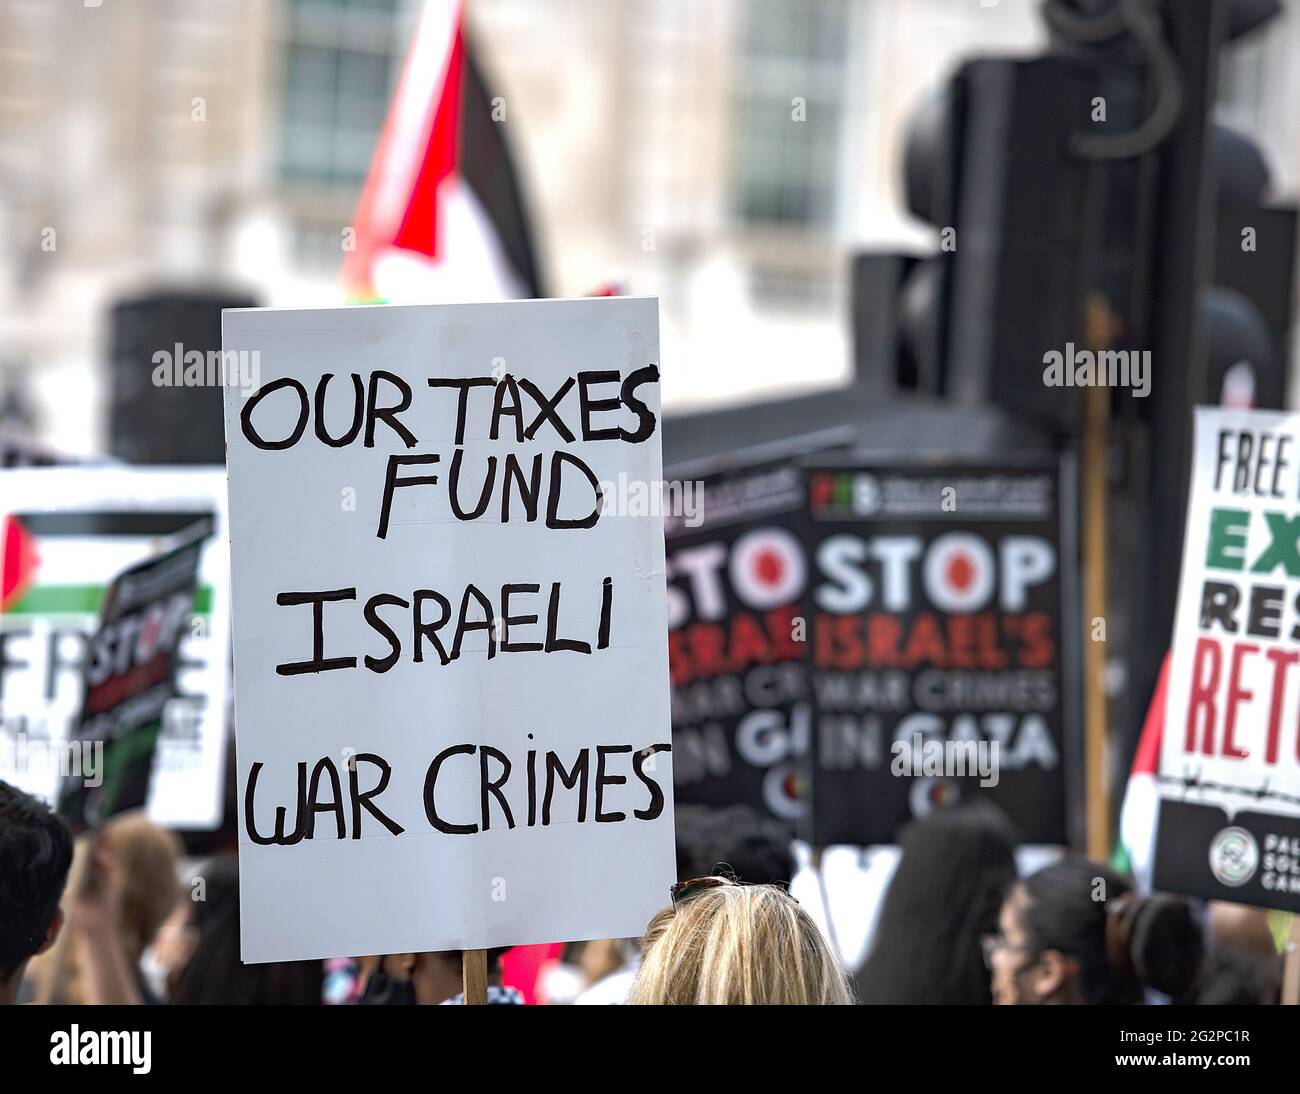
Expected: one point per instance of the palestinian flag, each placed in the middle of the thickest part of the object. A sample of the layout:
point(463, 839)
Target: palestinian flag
point(440, 219)
point(1135, 853)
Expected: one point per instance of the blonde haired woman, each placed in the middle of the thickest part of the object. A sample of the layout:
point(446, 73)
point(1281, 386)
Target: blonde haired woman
point(725, 943)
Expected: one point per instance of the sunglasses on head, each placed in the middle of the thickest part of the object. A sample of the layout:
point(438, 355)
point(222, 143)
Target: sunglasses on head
point(683, 889)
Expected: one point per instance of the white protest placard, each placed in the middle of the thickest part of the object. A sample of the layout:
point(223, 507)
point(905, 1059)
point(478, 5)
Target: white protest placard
point(451, 669)
point(1229, 776)
point(65, 534)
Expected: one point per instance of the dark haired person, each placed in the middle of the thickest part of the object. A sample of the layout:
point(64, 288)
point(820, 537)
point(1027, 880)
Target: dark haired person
point(429, 979)
point(214, 972)
point(956, 866)
point(1242, 965)
point(35, 856)
point(1075, 933)
point(750, 846)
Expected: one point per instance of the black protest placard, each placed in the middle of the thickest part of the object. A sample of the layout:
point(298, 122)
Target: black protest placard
point(736, 642)
point(130, 678)
point(940, 608)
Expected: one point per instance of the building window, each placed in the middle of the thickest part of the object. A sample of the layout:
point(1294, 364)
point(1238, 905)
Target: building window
point(341, 60)
point(789, 111)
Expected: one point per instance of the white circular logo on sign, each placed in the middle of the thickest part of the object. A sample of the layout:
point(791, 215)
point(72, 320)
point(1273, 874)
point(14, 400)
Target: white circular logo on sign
point(1234, 856)
point(866, 493)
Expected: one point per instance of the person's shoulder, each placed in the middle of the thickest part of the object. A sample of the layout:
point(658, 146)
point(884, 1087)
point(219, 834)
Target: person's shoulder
point(612, 991)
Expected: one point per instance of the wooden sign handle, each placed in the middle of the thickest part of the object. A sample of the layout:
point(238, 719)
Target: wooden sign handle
point(474, 976)
point(1291, 965)
point(1096, 587)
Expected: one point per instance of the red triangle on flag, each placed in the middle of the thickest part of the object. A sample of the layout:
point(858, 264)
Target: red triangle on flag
point(18, 548)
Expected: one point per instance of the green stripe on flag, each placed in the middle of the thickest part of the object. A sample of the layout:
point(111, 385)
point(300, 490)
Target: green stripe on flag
point(83, 600)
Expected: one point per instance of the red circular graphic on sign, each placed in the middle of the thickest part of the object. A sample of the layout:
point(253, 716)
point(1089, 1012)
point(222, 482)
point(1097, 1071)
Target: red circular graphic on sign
point(769, 567)
point(942, 794)
point(961, 571)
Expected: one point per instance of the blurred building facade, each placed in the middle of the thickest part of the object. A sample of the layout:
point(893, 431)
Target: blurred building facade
point(726, 155)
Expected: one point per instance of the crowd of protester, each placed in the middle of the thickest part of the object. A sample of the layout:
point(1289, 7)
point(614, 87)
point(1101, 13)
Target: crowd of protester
point(957, 925)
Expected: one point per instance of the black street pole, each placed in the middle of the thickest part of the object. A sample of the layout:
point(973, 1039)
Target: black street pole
point(1182, 261)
